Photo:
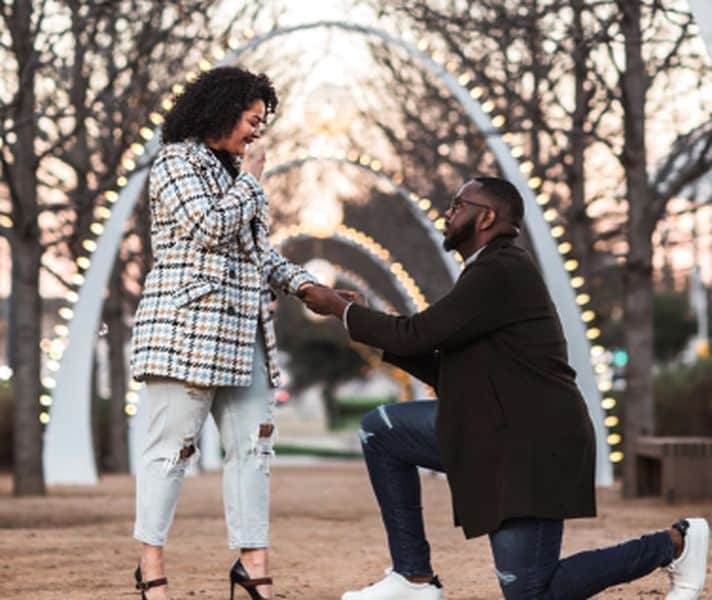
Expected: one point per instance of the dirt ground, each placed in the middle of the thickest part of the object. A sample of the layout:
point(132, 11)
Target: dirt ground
point(326, 533)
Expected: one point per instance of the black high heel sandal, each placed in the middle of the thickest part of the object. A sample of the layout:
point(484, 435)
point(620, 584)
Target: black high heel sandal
point(240, 576)
point(144, 586)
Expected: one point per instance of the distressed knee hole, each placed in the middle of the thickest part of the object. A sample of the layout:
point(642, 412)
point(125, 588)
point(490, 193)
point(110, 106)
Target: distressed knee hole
point(266, 430)
point(364, 435)
point(374, 423)
point(187, 451)
point(505, 578)
point(384, 416)
point(263, 446)
point(180, 458)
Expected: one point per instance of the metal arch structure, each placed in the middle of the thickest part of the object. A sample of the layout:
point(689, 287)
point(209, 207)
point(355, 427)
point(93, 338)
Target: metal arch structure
point(552, 266)
point(702, 9)
point(68, 451)
point(341, 236)
point(451, 265)
point(377, 302)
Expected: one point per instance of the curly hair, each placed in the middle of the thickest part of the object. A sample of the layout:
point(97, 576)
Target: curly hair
point(211, 106)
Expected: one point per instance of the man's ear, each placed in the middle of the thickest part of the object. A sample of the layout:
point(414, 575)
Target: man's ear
point(487, 219)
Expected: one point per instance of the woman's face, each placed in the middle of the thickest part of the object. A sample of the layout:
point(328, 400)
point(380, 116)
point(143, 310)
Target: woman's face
point(246, 130)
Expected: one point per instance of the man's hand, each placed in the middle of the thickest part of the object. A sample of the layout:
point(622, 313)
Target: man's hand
point(351, 296)
point(303, 289)
point(324, 301)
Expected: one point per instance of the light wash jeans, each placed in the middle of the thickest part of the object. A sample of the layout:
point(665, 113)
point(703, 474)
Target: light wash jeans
point(244, 418)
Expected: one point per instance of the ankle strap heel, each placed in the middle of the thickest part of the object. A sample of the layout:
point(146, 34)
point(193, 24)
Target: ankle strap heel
point(240, 576)
point(144, 586)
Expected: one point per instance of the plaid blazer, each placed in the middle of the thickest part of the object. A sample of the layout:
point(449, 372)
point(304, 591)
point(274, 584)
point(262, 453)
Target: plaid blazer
point(213, 267)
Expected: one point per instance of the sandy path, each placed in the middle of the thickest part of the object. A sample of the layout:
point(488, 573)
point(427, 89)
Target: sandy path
point(327, 537)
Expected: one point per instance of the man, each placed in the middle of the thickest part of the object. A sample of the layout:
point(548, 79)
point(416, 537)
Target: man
point(510, 428)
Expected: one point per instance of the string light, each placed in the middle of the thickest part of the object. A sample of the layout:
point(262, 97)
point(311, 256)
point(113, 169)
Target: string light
point(366, 242)
point(83, 262)
point(608, 403)
point(550, 214)
point(587, 316)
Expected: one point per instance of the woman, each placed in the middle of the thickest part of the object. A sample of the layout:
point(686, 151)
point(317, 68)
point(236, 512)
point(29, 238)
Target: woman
point(203, 337)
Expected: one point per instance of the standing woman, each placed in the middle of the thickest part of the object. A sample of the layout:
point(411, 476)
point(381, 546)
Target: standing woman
point(203, 338)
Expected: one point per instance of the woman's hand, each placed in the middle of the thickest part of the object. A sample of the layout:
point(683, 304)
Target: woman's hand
point(254, 162)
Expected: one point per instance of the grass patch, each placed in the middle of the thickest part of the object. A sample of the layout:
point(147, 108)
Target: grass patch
point(293, 450)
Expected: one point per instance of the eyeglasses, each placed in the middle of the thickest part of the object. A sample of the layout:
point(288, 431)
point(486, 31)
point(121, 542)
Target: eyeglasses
point(458, 201)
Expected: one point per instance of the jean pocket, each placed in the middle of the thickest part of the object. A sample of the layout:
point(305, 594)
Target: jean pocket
point(199, 392)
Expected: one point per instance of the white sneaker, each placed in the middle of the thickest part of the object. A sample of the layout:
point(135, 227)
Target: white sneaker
point(687, 572)
point(396, 587)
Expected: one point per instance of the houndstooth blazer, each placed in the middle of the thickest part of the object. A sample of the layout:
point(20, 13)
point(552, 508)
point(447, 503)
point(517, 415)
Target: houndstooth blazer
point(213, 267)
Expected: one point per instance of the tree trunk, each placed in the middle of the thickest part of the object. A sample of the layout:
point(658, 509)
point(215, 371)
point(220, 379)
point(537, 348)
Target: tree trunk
point(26, 308)
point(118, 451)
point(581, 230)
point(638, 408)
point(25, 302)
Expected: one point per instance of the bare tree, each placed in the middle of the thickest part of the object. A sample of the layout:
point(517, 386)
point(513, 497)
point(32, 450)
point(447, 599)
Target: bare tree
point(19, 168)
point(574, 80)
point(82, 79)
point(691, 158)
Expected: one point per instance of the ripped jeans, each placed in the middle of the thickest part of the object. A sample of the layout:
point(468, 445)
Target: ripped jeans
point(399, 438)
point(244, 418)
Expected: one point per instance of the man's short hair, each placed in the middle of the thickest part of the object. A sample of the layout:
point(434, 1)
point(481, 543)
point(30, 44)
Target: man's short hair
point(504, 194)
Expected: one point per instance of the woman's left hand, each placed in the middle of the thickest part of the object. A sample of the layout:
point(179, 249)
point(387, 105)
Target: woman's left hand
point(254, 162)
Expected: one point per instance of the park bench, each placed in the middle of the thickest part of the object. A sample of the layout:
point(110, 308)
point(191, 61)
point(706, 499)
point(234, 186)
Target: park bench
point(677, 468)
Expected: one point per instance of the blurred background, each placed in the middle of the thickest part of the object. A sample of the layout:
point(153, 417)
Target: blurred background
point(606, 106)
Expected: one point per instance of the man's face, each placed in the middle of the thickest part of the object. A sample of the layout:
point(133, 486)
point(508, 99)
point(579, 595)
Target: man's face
point(468, 214)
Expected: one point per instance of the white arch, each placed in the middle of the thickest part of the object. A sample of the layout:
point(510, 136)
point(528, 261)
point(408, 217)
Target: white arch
point(68, 453)
point(414, 302)
point(451, 265)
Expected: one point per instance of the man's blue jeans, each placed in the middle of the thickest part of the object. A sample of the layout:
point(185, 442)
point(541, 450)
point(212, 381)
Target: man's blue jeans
point(399, 438)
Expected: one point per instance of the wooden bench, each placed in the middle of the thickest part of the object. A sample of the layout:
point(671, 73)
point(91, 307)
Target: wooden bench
point(677, 468)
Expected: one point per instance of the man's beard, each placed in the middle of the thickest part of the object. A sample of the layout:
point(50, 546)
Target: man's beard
point(461, 234)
